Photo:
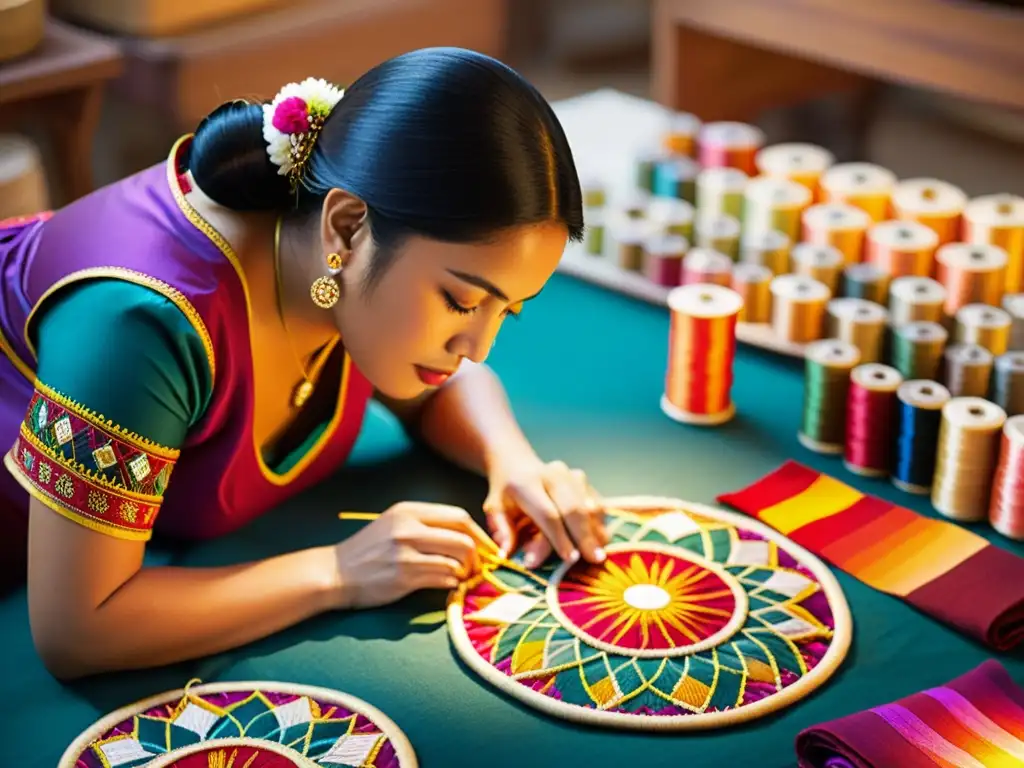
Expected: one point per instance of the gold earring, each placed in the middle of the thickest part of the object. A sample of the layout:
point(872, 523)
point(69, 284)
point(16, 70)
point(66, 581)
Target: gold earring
point(325, 290)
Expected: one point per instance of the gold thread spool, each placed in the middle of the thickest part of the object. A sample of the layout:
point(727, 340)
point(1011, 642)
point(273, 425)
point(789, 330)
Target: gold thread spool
point(999, 220)
point(680, 136)
point(704, 265)
point(771, 203)
point(720, 191)
point(858, 322)
point(1014, 304)
point(837, 224)
point(917, 349)
point(594, 235)
point(720, 233)
point(966, 458)
point(864, 185)
point(823, 263)
point(627, 238)
point(595, 191)
point(702, 344)
point(769, 248)
point(663, 259)
point(1006, 510)
point(967, 370)
point(866, 281)
point(802, 163)
point(729, 144)
point(753, 283)
point(902, 248)
point(673, 217)
point(798, 308)
point(971, 274)
point(916, 298)
point(936, 204)
point(1008, 383)
point(986, 326)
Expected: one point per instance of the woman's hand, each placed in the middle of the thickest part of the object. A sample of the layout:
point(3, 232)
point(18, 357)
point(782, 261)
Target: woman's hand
point(558, 500)
point(412, 546)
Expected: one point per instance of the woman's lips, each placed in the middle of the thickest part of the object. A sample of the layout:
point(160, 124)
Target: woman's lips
point(432, 377)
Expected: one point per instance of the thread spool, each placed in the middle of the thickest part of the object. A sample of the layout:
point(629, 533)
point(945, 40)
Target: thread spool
point(859, 322)
point(1008, 383)
point(704, 265)
point(593, 235)
point(22, 31)
point(870, 414)
point(919, 405)
point(680, 136)
point(647, 161)
point(676, 178)
point(917, 349)
point(632, 204)
point(902, 248)
point(837, 224)
point(802, 163)
point(986, 326)
point(730, 145)
point(753, 283)
point(967, 370)
point(866, 281)
point(702, 346)
point(827, 367)
point(768, 248)
point(672, 217)
point(936, 204)
point(595, 191)
point(966, 458)
point(663, 259)
point(916, 298)
point(824, 263)
point(798, 308)
point(971, 274)
point(627, 238)
point(1014, 304)
point(865, 185)
point(1006, 508)
point(999, 220)
point(771, 203)
point(720, 233)
point(720, 191)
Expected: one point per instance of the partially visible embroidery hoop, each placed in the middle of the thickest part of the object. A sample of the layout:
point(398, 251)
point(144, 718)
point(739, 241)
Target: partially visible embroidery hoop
point(388, 728)
point(839, 638)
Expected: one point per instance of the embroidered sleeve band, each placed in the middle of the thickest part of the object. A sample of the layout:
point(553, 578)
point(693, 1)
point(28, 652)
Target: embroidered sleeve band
point(942, 569)
point(88, 469)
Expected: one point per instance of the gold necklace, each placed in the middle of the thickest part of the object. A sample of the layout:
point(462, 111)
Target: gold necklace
point(304, 389)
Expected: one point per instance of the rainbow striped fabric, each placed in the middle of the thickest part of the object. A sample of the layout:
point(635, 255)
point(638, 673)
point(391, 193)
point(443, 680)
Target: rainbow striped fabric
point(943, 570)
point(973, 721)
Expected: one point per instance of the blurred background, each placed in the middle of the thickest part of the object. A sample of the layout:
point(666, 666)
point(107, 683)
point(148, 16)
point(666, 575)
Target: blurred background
point(93, 90)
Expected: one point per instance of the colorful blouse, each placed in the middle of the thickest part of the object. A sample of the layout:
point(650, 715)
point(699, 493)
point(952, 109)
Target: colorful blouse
point(124, 327)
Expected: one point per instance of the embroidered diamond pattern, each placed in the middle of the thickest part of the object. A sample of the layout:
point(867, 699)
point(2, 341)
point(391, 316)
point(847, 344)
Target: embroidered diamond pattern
point(295, 712)
point(351, 750)
point(42, 415)
point(62, 430)
point(104, 457)
point(139, 467)
point(196, 719)
point(508, 608)
point(125, 752)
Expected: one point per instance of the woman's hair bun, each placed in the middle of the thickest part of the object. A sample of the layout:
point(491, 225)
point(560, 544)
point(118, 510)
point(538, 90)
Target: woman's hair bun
point(229, 162)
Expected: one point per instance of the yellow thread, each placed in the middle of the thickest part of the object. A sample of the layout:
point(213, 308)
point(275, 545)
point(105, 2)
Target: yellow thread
point(358, 515)
point(433, 617)
point(169, 292)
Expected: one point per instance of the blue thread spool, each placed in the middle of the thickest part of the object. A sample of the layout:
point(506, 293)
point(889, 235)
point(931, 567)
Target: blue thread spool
point(918, 419)
point(676, 178)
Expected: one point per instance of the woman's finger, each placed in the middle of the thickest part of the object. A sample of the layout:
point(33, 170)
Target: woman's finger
point(577, 511)
point(499, 525)
point(453, 544)
point(534, 501)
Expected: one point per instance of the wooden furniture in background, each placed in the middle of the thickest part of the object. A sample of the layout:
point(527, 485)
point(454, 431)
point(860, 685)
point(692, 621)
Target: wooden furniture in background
point(153, 18)
point(61, 82)
point(731, 59)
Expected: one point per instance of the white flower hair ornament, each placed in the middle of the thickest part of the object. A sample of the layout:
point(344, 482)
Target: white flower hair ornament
point(292, 123)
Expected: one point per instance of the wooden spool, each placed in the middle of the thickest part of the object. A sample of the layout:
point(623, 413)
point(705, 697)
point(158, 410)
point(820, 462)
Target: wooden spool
point(22, 26)
point(23, 189)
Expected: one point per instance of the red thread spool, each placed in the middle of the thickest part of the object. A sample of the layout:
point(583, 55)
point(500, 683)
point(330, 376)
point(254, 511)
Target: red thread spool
point(730, 145)
point(870, 416)
point(704, 265)
point(663, 259)
point(1006, 512)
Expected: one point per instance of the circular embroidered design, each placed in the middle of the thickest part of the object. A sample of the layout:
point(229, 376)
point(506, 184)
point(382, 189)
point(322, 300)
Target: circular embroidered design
point(698, 618)
point(286, 726)
point(648, 601)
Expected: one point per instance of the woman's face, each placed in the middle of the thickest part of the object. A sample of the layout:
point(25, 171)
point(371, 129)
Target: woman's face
point(438, 303)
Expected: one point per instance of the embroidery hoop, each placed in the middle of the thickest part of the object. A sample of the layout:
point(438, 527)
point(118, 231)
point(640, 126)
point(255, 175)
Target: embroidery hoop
point(399, 741)
point(838, 647)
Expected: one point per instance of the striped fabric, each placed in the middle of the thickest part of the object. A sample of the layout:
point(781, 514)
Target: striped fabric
point(974, 721)
point(943, 570)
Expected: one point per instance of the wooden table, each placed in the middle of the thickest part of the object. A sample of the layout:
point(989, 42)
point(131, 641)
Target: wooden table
point(62, 81)
point(731, 59)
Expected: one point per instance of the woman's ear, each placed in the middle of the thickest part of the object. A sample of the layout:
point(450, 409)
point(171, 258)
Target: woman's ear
point(342, 217)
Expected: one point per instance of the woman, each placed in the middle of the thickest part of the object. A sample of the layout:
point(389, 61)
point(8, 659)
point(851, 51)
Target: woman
point(188, 347)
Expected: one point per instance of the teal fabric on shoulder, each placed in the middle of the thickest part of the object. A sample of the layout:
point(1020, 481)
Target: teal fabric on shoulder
point(126, 352)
